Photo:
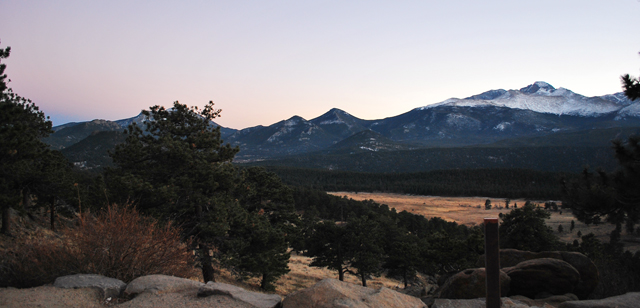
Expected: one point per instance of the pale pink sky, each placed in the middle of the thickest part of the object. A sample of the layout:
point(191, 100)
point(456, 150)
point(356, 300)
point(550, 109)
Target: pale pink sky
point(265, 61)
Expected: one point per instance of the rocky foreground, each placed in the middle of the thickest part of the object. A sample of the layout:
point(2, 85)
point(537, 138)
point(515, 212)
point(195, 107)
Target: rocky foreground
point(168, 291)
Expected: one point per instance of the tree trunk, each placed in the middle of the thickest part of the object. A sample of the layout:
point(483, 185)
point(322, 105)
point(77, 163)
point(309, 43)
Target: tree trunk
point(341, 274)
point(364, 280)
point(263, 283)
point(6, 220)
point(26, 200)
point(405, 280)
point(53, 213)
point(205, 260)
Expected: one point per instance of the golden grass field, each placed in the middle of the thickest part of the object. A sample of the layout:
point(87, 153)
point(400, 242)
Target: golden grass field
point(463, 210)
point(470, 211)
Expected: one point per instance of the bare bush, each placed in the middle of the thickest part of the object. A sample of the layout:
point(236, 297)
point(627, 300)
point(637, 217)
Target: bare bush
point(119, 243)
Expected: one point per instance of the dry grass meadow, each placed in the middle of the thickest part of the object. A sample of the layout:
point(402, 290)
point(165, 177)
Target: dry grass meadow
point(463, 210)
point(470, 211)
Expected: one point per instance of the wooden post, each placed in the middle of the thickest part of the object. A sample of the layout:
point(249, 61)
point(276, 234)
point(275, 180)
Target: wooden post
point(492, 261)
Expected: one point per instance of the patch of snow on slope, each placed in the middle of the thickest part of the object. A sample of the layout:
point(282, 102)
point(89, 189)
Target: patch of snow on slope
point(462, 121)
point(283, 131)
point(368, 149)
point(333, 121)
point(291, 122)
point(502, 126)
point(545, 99)
point(632, 110)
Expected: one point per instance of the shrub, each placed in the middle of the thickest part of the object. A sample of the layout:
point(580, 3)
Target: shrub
point(36, 260)
point(119, 243)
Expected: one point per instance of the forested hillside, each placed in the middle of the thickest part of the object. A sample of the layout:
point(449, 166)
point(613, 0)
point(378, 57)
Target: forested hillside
point(504, 183)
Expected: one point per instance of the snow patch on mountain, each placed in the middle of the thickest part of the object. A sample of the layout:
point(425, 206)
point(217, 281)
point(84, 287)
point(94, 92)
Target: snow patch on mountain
point(544, 98)
point(502, 126)
point(632, 110)
point(462, 121)
point(332, 121)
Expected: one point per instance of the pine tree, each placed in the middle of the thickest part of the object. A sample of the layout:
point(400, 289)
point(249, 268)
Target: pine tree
point(364, 248)
point(179, 169)
point(328, 246)
point(631, 86)
point(404, 258)
point(22, 126)
point(525, 229)
point(259, 249)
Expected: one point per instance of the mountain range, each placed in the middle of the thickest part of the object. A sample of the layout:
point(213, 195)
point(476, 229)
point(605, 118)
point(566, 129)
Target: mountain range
point(495, 117)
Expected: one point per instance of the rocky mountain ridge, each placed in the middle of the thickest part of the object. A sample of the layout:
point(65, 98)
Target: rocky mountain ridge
point(536, 110)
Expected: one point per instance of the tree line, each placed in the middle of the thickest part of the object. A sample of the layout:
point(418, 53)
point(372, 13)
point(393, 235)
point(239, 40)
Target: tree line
point(498, 183)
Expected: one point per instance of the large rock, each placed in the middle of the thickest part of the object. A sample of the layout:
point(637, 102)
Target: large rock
point(629, 300)
point(332, 293)
point(471, 283)
point(553, 300)
point(256, 299)
point(477, 303)
point(589, 276)
point(109, 287)
point(550, 275)
point(159, 284)
point(511, 257)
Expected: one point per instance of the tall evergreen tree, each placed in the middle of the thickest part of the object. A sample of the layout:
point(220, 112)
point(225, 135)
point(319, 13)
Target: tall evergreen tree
point(22, 126)
point(179, 169)
point(613, 197)
point(525, 229)
point(259, 249)
point(404, 257)
point(327, 245)
point(365, 249)
point(631, 86)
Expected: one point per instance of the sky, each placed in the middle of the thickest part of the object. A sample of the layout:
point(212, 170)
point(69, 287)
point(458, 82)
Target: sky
point(265, 61)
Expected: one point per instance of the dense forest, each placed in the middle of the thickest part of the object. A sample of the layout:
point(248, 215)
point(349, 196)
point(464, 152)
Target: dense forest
point(542, 158)
point(499, 183)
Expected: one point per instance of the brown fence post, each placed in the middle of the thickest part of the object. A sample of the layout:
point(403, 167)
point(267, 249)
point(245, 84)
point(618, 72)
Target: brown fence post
point(492, 261)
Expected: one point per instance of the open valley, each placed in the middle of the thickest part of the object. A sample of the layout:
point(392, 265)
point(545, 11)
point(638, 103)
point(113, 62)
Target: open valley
point(470, 211)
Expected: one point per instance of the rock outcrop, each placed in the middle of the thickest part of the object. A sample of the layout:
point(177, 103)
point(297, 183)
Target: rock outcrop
point(532, 277)
point(477, 303)
point(588, 271)
point(332, 293)
point(159, 284)
point(471, 283)
point(629, 300)
point(553, 300)
point(109, 287)
point(258, 300)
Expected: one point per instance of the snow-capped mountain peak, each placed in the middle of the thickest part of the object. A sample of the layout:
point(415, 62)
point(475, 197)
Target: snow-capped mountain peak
point(544, 98)
point(538, 86)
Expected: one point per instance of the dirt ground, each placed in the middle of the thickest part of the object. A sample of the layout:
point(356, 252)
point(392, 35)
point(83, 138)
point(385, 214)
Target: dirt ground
point(470, 211)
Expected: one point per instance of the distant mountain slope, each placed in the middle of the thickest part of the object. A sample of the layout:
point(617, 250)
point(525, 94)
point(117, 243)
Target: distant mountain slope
point(556, 159)
point(368, 141)
point(93, 151)
point(543, 98)
point(73, 133)
point(70, 133)
point(500, 117)
point(340, 124)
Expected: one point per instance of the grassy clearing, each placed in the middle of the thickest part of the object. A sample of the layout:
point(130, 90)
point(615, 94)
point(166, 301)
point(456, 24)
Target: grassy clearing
point(470, 211)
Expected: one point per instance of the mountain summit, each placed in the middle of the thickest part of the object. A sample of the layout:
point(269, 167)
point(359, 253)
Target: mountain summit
point(536, 110)
point(544, 98)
